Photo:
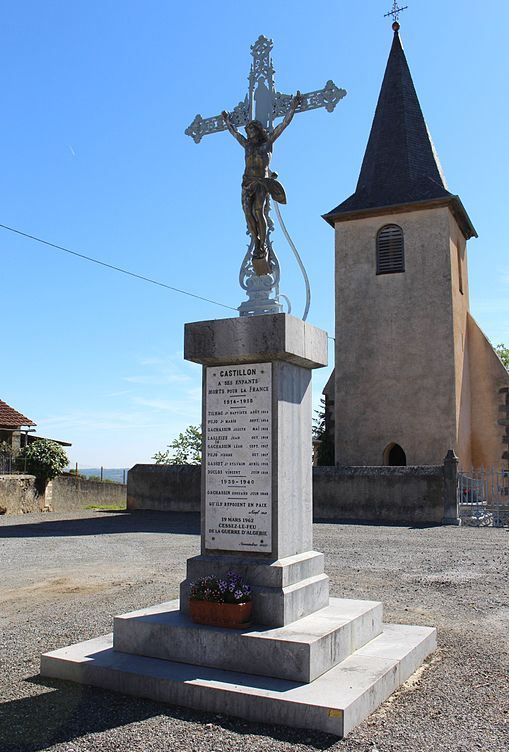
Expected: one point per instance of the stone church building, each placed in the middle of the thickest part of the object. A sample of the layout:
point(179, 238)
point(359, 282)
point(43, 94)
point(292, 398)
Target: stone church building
point(415, 376)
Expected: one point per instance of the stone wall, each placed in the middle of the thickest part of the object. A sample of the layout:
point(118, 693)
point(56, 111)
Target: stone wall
point(487, 378)
point(69, 493)
point(18, 494)
point(173, 488)
point(409, 495)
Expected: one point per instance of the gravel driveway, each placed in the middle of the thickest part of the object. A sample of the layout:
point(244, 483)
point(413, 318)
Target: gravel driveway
point(63, 577)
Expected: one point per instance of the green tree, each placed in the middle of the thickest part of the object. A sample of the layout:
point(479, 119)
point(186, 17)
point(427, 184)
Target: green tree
point(503, 354)
point(184, 450)
point(325, 453)
point(43, 458)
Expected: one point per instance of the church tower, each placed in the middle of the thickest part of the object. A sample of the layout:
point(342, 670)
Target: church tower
point(414, 374)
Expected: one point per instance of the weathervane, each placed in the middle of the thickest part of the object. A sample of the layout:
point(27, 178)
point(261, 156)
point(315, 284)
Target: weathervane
point(396, 10)
point(260, 272)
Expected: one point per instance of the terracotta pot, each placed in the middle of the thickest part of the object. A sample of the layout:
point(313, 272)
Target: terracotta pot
point(233, 615)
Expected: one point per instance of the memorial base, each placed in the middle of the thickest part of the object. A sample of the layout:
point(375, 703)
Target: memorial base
point(284, 591)
point(300, 652)
point(307, 662)
point(334, 702)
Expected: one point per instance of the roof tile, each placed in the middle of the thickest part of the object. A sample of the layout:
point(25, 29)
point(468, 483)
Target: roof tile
point(10, 418)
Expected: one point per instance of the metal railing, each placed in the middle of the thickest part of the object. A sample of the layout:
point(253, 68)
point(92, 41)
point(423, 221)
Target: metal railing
point(483, 497)
point(105, 474)
point(9, 466)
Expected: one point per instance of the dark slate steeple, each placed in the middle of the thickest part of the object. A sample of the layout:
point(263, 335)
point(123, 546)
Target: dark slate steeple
point(400, 166)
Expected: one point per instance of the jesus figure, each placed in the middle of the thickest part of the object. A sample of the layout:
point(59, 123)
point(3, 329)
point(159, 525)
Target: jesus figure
point(258, 182)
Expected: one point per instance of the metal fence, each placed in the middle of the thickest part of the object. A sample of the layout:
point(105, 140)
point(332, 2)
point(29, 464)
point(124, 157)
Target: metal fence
point(9, 466)
point(483, 497)
point(106, 474)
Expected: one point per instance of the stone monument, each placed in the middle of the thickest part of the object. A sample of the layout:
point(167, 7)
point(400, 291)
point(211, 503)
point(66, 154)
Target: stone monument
point(307, 660)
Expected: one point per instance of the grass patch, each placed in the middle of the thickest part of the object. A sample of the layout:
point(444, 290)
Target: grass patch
point(107, 507)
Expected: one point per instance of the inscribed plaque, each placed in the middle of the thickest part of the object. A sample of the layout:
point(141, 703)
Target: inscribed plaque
point(238, 457)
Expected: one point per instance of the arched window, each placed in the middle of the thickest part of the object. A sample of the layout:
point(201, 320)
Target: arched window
point(394, 456)
point(390, 250)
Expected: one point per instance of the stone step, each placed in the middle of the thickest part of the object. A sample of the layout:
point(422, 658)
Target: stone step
point(334, 703)
point(261, 573)
point(300, 651)
point(285, 590)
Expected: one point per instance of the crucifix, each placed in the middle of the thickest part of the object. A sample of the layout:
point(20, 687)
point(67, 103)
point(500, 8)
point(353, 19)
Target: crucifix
point(260, 272)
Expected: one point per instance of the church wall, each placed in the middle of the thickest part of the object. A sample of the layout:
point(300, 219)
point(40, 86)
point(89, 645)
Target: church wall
point(460, 304)
point(395, 367)
point(464, 450)
point(487, 376)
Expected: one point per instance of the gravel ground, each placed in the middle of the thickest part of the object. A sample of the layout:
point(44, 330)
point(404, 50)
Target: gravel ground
point(63, 577)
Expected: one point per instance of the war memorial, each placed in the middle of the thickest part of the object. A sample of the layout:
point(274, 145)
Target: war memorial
point(304, 659)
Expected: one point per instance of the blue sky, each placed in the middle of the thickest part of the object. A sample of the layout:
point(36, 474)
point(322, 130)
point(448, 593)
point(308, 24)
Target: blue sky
point(96, 97)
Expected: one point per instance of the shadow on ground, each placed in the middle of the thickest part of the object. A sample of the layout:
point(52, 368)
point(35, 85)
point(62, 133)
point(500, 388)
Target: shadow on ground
point(180, 523)
point(376, 523)
point(69, 711)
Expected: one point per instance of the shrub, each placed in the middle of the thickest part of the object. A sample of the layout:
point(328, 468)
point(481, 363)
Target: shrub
point(43, 458)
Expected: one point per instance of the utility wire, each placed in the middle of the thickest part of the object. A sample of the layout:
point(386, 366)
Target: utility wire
point(115, 268)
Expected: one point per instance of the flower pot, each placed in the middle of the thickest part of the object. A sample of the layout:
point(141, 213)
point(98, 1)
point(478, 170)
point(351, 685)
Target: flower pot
point(232, 615)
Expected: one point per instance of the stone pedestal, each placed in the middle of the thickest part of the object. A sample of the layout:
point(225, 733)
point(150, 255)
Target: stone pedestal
point(307, 661)
point(275, 355)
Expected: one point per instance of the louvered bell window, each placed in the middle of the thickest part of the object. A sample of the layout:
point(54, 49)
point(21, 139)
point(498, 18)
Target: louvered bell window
point(390, 250)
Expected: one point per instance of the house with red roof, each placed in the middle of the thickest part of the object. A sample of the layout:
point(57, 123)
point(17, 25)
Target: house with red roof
point(14, 427)
point(16, 430)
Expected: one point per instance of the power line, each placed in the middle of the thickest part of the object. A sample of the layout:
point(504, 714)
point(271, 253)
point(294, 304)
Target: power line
point(115, 268)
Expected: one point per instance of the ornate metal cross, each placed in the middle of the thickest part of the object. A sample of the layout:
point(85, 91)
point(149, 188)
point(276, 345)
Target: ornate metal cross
point(265, 104)
point(396, 10)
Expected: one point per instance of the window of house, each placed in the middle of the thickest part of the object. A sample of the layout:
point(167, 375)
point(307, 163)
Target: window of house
point(390, 250)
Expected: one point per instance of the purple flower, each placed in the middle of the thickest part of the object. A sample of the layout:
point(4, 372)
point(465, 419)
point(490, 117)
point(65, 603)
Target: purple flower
point(231, 589)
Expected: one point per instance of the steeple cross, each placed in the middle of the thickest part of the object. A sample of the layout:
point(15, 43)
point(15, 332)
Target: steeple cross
point(396, 10)
point(263, 102)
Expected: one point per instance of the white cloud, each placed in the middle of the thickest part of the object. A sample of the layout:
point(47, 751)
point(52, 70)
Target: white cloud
point(159, 371)
point(175, 406)
point(162, 396)
point(157, 379)
point(99, 420)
